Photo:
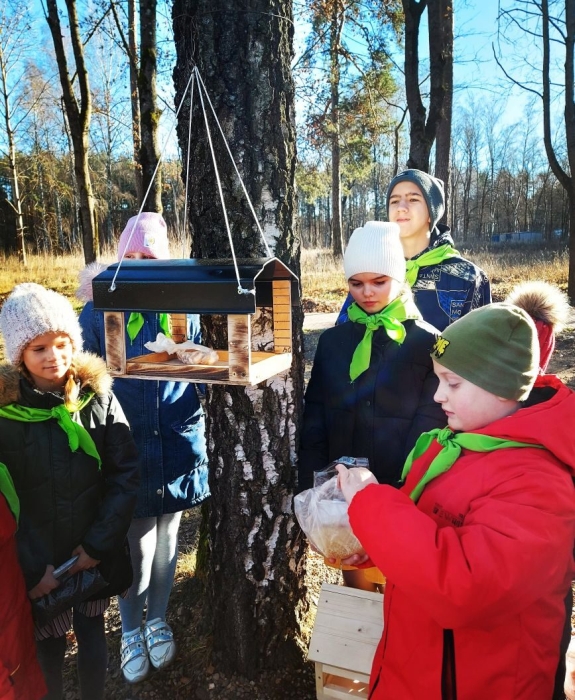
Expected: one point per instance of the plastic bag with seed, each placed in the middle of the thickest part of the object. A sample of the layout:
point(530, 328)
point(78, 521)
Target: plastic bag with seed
point(322, 514)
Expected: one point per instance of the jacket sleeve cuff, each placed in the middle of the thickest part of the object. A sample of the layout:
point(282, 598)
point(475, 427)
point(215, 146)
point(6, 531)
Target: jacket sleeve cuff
point(92, 552)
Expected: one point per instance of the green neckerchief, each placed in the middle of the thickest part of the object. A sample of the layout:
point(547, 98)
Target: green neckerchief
point(430, 257)
point(78, 436)
point(136, 321)
point(451, 443)
point(391, 318)
point(8, 491)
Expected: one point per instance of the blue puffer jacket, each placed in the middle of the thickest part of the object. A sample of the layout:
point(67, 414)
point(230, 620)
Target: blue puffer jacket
point(167, 422)
point(446, 291)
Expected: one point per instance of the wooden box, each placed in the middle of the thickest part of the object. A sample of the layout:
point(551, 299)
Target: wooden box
point(179, 287)
point(347, 630)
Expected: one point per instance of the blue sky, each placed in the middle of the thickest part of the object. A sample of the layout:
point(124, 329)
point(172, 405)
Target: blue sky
point(476, 74)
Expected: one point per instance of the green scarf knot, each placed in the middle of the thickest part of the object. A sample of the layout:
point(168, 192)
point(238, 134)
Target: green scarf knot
point(391, 318)
point(78, 436)
point(434, 256)
point(452, 444)
point(8, 491)
point(136, 321)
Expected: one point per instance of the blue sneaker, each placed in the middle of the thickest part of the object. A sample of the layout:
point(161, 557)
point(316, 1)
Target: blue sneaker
point(135, 663)
point(159, 643)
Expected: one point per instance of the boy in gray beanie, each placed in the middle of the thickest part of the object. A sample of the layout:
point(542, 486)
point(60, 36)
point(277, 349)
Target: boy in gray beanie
point(431, 188)
point(445, 285)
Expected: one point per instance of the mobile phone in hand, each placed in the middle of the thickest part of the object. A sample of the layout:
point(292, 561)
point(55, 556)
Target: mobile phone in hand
point(65, 567)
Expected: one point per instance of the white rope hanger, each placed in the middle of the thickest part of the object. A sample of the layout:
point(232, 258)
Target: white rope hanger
point(201, 92)
point(201, 82)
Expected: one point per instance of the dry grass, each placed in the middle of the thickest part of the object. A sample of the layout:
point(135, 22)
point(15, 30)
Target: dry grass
point(506, 266)
point(323, 280)
point(55, 271)
point(322, 274)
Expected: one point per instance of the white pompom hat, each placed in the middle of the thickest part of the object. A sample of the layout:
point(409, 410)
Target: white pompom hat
point(32, 310)
point(375, 247)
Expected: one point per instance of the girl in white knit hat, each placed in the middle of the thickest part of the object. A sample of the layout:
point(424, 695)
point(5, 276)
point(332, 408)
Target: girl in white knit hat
point(372, 384)
point(68, 448)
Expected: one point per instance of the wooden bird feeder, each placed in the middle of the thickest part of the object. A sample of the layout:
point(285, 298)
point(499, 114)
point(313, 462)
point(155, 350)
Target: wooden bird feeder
point(347, 630)
point(191, 286)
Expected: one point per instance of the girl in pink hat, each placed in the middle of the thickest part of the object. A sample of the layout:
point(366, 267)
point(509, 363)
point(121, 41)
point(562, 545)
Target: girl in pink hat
point(168, 426)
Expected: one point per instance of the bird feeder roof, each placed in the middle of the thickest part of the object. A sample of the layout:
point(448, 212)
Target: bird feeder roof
point(205, 286)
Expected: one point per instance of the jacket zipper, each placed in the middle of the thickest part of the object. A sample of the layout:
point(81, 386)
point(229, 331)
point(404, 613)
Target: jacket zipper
point(448, 680)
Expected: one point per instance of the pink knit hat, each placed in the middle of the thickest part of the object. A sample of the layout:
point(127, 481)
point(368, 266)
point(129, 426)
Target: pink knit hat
point(146, 233)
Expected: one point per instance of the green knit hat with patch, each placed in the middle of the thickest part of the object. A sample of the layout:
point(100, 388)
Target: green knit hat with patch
point(495, 348)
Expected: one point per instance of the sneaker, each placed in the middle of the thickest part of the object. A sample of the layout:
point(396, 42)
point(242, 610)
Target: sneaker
point(159, 642)
point(135, 663)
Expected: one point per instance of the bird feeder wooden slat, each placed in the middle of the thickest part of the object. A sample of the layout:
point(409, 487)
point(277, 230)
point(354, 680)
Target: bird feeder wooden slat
point(179, 287)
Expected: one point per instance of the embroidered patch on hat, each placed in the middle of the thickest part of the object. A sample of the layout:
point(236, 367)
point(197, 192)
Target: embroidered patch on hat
point(440, 346)
point(149, 240)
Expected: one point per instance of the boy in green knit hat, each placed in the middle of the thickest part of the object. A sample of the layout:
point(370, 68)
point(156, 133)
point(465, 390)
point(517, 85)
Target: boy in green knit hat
point(445, 285)
point(477, 544)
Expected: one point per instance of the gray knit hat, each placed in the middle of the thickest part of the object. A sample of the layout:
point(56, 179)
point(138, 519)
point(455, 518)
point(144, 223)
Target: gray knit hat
point(494, 347)
point(32, 310)
point(375, 248)
point(431, 188)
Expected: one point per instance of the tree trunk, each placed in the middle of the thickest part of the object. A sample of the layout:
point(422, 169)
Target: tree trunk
point(425, 123)
point(135, 97)
point(419, 149)
point(149, 112)
point(441, 45)
point(566, 181)
point(15, 201)
point(130, 45)
point(336, 27)
point(78, 116)
point(255, 585)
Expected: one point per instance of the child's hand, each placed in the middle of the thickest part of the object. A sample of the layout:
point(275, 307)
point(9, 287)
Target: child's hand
point(350, 481)
point(353, 560)
point(47, 583)
point(85, 561)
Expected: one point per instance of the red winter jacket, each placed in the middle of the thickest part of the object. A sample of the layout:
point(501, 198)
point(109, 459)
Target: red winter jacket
point(478, 570)
point(20, 674)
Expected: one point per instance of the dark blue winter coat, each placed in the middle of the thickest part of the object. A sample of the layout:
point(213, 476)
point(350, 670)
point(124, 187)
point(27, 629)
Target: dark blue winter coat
point(446, 291)
point(381, 414)
point(166, 419)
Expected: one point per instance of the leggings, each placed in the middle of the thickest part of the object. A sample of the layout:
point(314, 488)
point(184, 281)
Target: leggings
point(154, 551)
point(92, 659)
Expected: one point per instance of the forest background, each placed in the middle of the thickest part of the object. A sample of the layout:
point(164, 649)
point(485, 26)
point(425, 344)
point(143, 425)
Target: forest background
point(87, 101)
point(501, 180)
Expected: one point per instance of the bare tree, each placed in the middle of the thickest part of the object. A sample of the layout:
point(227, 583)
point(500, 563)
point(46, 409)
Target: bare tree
point(14, 39)
point(433, 122)
point(78, 112)
point(130, 46)
point(551, 32)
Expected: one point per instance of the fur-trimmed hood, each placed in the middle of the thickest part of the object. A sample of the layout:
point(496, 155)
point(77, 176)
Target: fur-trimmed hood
point(84, 292)
point(90, 369)
point(543, 302)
